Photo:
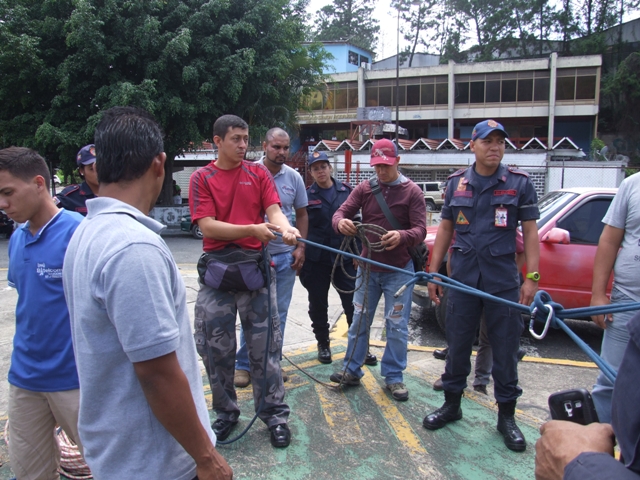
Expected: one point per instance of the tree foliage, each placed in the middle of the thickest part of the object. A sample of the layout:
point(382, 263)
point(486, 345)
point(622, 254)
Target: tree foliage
point(622, 91)
point(482, 30)
point(348, 21)
point(62, 62)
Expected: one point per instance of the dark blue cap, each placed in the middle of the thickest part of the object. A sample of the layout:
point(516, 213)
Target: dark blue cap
point(318, 157)
point(86, 155)
point(482, 129)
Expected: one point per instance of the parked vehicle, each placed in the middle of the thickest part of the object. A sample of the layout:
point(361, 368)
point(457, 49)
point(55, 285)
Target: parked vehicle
point(193, 228)
point(433, 195)
point(569, 228)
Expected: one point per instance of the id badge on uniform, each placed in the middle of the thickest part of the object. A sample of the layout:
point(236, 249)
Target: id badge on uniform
point(501, 217)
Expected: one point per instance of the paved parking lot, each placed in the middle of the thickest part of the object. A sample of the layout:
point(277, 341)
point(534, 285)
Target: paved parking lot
point(362, 431)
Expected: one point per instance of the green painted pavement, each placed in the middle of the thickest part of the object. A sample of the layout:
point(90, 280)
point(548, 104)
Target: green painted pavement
point(370, 436)
point(468, 449)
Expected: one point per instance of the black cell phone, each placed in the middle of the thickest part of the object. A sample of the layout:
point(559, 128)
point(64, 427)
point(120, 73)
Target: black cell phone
point(574, 406)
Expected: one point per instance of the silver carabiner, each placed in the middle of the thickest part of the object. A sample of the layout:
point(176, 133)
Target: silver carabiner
point(546, 325)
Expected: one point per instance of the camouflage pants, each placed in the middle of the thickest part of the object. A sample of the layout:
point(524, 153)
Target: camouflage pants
point(215, 335)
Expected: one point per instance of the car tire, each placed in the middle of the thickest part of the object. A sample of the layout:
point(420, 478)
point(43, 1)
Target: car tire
point(431, 205)
point(196, 232)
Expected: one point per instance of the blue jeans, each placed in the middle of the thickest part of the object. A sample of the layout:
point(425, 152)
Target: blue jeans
point(614, 343)
point(397, 311)
point(285, 279)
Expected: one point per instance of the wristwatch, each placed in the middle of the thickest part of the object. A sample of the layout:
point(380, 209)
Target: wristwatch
point(535, 276)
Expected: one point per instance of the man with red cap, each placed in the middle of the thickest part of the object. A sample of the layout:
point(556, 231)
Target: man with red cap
point(406, 203)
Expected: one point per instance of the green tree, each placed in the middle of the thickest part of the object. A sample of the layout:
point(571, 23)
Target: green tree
point(622, 97)
point(420, 25)
point(348, 21)
point(187, 62)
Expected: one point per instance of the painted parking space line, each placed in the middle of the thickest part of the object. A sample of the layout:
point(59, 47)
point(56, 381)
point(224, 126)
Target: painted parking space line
point(392, 415)
point(339, 415)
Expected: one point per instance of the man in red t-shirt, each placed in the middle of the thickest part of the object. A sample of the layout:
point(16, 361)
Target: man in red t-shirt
point(228, 200)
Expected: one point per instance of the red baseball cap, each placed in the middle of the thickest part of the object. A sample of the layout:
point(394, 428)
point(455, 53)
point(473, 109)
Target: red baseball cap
point(384, 151)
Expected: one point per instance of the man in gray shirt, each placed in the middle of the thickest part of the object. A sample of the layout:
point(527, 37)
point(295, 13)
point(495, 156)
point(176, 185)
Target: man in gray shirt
point(618, 251)
point(131, 332)
point(286, 259)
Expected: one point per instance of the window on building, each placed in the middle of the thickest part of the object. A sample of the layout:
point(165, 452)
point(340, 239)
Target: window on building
point(442, 94)
point(353, 58)
point(509, 88)
point(427, 94)
point(413, 95)
point(402, 93)
point(462, 92)
point(525, 89)
point(363, 59)
point(372, 96)
point(541, 90)
point(384, 96)
point(586, 87)
point(352, 98)
point(340, 99)
point(565, 88)
point(476, 92)
point(329, 100)
point(493, 91)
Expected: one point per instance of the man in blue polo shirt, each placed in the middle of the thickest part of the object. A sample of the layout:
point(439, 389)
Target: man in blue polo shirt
point(43, 382)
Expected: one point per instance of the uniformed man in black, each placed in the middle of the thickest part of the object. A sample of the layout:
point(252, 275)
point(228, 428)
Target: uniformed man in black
point(325, 196)
point(74, 196)
point(483, 206)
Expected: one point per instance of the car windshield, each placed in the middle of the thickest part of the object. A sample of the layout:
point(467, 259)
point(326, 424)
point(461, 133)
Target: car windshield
point(552, 203)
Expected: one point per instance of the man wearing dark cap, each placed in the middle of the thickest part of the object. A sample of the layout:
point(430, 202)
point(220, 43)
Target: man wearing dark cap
point(483, 206)
point(74, 197)
point(406, 202)
point(325, 195)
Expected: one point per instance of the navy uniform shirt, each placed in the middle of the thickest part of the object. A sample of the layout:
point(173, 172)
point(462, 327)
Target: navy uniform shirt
point(485, 213)
point(320, 212)
point(74, 198)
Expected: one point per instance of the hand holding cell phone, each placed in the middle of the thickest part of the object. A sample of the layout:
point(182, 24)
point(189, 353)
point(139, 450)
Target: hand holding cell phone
point(573, 406)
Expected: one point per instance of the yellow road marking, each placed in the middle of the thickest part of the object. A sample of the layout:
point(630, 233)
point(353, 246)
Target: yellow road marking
point(551, 361)
point(312, 363)
point(341, 328)
point(396, 421)
point(339, 416)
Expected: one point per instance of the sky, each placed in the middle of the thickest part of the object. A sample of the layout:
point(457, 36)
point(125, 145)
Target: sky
point(387, 42)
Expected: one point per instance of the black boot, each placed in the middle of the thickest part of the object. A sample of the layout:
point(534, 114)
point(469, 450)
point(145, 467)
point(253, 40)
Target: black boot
point(324, 352)
point(449, 412)
point(513, 437)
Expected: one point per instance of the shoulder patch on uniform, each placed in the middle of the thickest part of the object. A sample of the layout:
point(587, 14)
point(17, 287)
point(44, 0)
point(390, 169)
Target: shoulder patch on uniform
point(457, 174)
point(56, 200)
point(461, 219)
point(347, 185)
point(70, 189)
point(315, 202)
point(518, 171)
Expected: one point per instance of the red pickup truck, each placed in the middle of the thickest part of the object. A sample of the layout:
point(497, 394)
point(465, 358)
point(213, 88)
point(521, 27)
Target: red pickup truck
point(569, 228)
